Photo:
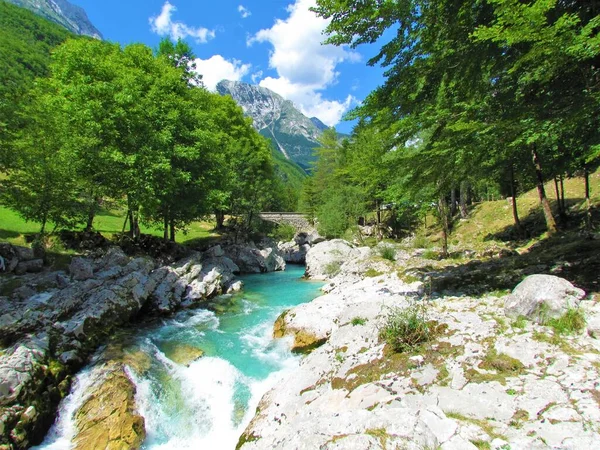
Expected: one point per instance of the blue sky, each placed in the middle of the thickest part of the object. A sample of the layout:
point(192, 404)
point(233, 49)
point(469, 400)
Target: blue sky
point(274, 43)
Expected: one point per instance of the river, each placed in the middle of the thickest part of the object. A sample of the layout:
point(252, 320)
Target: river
point(208, 403)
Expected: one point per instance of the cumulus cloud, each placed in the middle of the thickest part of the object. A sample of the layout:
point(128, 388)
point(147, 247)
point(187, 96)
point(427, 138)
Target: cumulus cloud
point(217, 68)
point(164, 25)
point(245, 12)
point(256, 76)
point(309, 100)
point(304, 66)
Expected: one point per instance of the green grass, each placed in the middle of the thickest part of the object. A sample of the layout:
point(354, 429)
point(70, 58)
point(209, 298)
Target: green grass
point(358, 321)
point(14, 228)
point(573, 321)
point(387, 252)
point(406, 328)
point(370, 273)
point(489, 217)
point(520, 322)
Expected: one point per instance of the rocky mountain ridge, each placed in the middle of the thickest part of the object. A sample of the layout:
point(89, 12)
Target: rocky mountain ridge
point(294, 134)
point(72, 17)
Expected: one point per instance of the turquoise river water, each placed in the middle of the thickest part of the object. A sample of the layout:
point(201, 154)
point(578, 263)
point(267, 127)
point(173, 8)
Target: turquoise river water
point(208, 403)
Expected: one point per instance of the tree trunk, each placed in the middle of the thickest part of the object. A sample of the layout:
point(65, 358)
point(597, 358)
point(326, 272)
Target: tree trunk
point(165, 227)
point(125, 222)
point(513, 193)
point(443, 212)
point(90, 220)
point(136, 226)
point(558, 203)
point(93, 208)
point(131, 225)
point(550, 222)
point(469, 195)
point(172, 230)
point(220, 219)
point(464, 187)
point(562, 193)
point(588, 203)
point(44, 220)
point(453, 202)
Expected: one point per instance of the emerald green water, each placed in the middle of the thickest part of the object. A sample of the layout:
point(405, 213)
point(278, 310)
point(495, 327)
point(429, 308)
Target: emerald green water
point(208, 403)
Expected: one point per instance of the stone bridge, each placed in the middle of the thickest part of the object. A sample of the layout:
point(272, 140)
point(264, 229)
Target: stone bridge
point(297, 220)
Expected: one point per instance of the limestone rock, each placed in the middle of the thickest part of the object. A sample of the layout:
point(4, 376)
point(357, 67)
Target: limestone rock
point(273, 261)
point(592, 313)
point(539, 297)
point(81, 269)
point(24, 253)
point(235, 287)
point(314, 238)
point(32, 266)
point(251, 259)
point(293, 253)
point(113, 257)
point(17, 370)
point(461, 391)
point(324, 259)
point(108, 419)
point(104, 294)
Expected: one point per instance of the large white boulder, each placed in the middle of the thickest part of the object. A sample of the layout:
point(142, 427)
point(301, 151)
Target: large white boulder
point(540, 297)
point(324, 259)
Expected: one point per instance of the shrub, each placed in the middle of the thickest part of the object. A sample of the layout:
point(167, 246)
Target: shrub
point(430, 254)
point(405, 328)
point(283, 232)
point(420, 241)
point(388, 252)
point(358, 321)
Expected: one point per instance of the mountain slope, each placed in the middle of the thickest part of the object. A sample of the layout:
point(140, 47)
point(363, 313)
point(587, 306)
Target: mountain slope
point(294, 134)
point(26, 41)
point(72, 17)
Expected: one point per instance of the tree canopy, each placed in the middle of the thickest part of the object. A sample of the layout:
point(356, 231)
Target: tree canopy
point(505, 91)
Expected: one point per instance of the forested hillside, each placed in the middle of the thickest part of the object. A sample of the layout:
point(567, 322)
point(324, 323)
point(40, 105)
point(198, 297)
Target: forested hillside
point(481, 99)
point(25, 44)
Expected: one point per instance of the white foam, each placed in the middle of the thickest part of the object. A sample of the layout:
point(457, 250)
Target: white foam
point(207, 419)
point(62, 432)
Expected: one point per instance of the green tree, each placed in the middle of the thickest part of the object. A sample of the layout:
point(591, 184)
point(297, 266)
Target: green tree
point(26, 41)
point(42, 184)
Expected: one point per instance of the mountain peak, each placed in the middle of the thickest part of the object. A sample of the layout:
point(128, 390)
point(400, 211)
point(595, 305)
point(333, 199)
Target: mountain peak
point(294, 134)
point(72, 17)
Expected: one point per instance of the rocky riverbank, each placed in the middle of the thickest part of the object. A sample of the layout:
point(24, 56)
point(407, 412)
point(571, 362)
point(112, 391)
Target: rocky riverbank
point(491, 376)
point(51, 322)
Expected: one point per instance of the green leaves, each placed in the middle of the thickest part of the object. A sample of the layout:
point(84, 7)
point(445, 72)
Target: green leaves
point(124, 123)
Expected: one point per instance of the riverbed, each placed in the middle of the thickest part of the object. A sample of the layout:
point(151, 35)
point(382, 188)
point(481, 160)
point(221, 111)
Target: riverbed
point(205, 403)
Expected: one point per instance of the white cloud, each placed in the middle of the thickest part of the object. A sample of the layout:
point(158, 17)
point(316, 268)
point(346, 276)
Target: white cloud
point(163, 25)
point(309, 101)
point(217, 68)
point(256, 76)
point(245, 12)
point(304, 66)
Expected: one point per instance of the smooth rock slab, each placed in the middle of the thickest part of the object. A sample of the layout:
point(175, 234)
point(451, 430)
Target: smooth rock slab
point(108, 419)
